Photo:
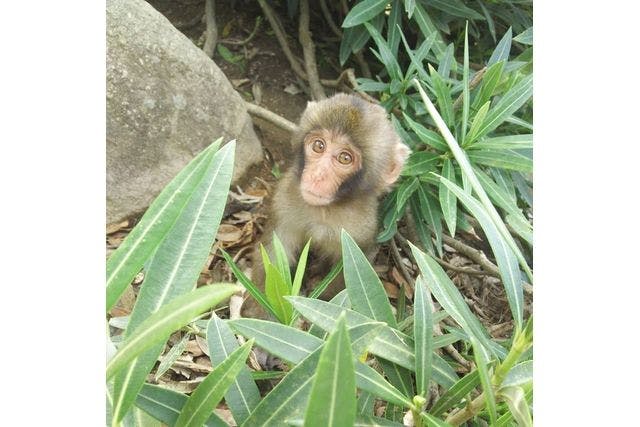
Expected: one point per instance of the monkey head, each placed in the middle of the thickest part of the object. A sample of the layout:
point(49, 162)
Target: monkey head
point(347, 148)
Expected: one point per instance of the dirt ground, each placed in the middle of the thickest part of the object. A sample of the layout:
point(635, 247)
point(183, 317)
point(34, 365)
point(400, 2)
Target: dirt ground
point(260, 72)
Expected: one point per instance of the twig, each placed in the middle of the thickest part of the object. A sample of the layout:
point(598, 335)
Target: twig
point(472, 84)
point(398, 259)
point(329, 18)
point(464, 270)
point(473, 254)
point(212, 29)
point(248, 39)
point(468, 412)
point(309, 51)
point(276, 26)
point(270, 116)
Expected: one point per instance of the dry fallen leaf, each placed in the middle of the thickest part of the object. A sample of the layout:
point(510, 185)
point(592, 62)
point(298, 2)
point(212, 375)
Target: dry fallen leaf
point(228, 233)
point(194, 348)
point(117, 226)
point(391, 289)
point(202, 343)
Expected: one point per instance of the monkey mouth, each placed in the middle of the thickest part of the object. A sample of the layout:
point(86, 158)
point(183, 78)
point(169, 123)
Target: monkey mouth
point(315, 199)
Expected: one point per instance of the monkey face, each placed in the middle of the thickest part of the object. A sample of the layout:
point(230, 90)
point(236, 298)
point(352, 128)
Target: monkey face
point(330, 160)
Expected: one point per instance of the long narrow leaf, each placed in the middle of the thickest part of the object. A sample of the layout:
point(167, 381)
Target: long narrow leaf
point(210, 391)
point(243, 394)
point(145, 237)
point(501, 52)
point(456, 393)
point(165, 405)
point(363, 12)
point(333, 395)
point(448, 201)
point(365, 290)
point(482, 362)
point(423, 335)
point(449, 296)
point(467, 173)
point(172, 316)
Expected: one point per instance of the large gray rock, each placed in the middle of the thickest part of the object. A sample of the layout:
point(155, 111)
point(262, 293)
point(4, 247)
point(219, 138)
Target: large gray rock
point(166, 101)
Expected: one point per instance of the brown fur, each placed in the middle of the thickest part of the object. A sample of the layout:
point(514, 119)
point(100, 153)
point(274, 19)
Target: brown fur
point(294, 221)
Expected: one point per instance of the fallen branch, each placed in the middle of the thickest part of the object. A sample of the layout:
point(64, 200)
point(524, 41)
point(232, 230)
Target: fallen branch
point(329, 18)
point(271, 117)
point(212, 29)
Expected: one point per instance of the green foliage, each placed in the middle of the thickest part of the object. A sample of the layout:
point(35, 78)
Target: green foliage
point(172, 241)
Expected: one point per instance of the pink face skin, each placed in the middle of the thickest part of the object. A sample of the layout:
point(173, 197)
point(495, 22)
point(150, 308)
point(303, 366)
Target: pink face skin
point(330, 159)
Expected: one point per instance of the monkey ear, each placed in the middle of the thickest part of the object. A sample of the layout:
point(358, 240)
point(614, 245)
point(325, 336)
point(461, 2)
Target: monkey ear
point(400, 153)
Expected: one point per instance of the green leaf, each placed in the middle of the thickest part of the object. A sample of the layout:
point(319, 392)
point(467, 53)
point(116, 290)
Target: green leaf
point(427, 28)
point(517, 402)
point(490, 82)
point(449, 296)
point(353, 39)
point(363, 12)
point(443, 96)
point(368, 85)
point(423, 335)
point(420, 163)
point(521, 226)
point(405, 190)
point(243, 394)
point(409, 7)
point(285, 342)
point(302, 264)
point(365, 403)
point(227, 55)
point(288, 400)
point(210, 391)
point(248, 284)
point(175, 266)
point(386, 56)
point(389, 344)
point(515, 98)
point(499, 196)
point(509, 142)
point(482, 362)
point(465, 84)
point(446, 62)
point(478, 120)
point(525, 37)
point(448, 201)
point(426, 136)
point(507, 262)
point(333, 395)
point(455, 8)
point(456, 393)
point(146, 236)
point(423, 232)
point(282, 260)
point(429, 209)
point(393, 26)
point(520, 374)
point(370, 380)
point(418, 56)
point(276, 289)
point(501, 52)
point(171, 356)
point(503, 159)
point(320, 287)
point(165, 405)
point(431, 421)
point(365, 290)
point(169, 318)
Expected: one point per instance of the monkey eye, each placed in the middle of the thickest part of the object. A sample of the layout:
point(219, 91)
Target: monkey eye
point(318, 146)
point(345, 158)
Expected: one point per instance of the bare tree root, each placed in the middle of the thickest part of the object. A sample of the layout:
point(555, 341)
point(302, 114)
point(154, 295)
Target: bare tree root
point(276, 26)
point(248, 39)
point(364, 67)
point(327, 17)
point(309, 50)
point(212, 29)
point(270, 116)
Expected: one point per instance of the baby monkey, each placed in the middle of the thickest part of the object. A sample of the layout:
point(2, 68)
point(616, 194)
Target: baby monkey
point(347, 156)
